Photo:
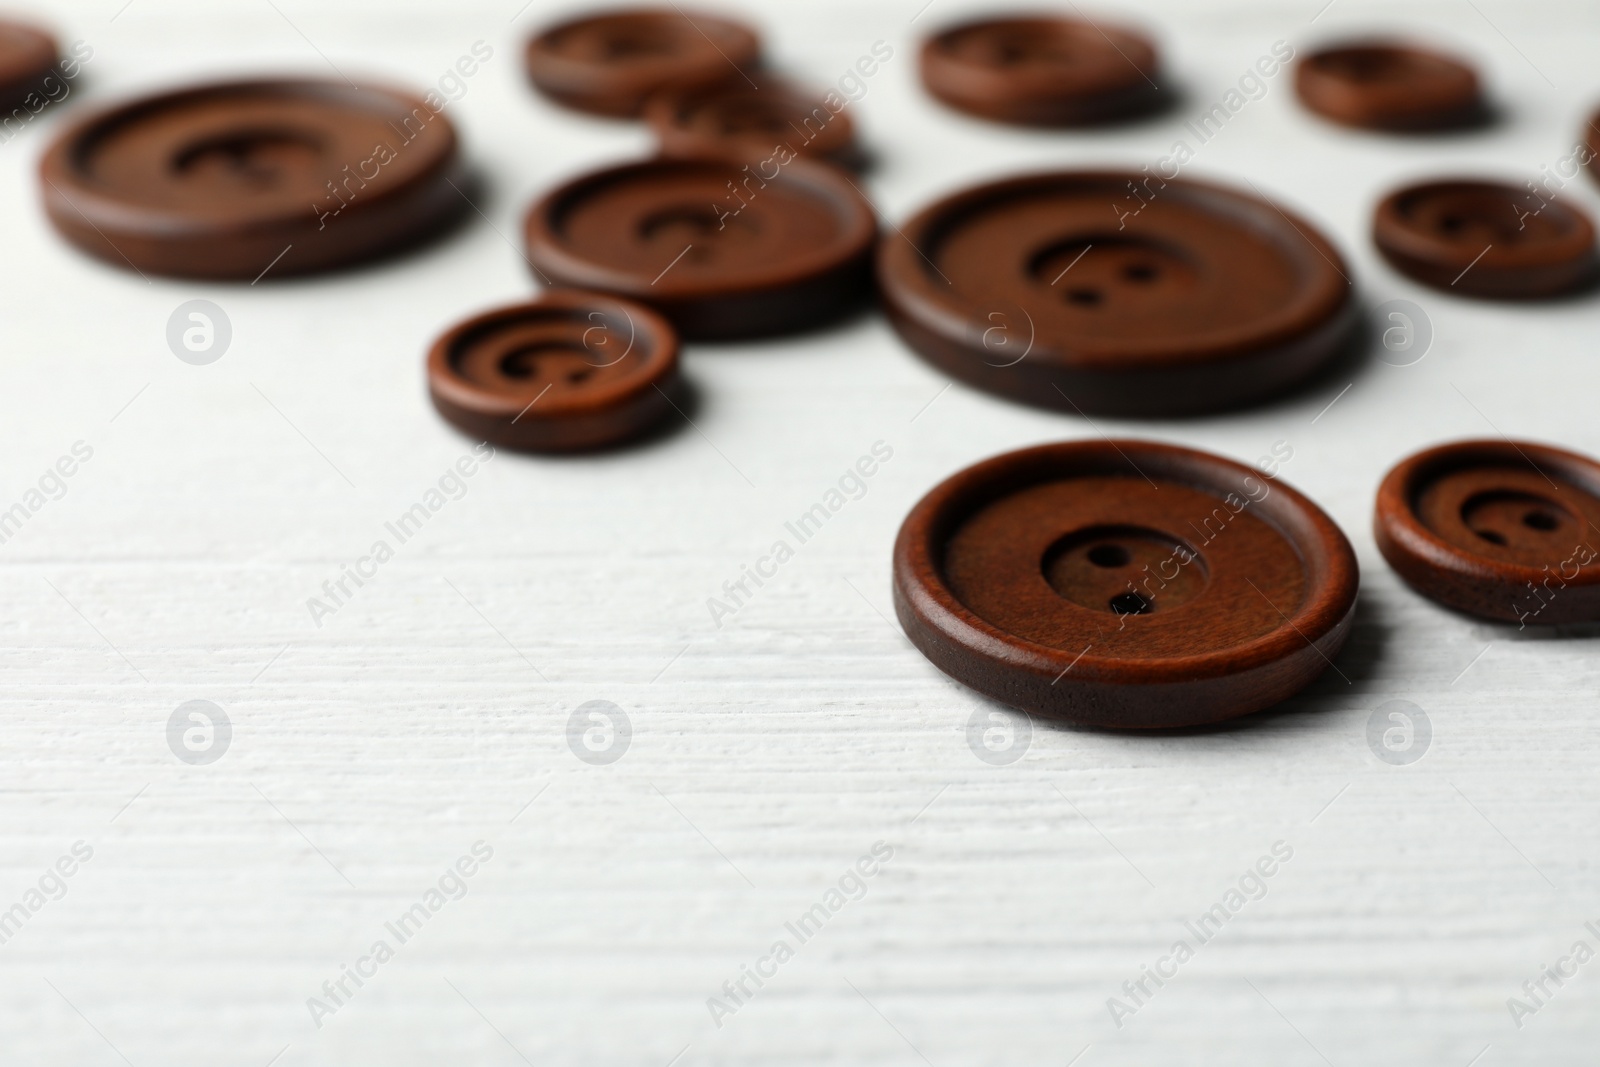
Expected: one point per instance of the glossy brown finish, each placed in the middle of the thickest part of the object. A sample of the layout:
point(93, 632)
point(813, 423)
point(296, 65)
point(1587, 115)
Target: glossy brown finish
point(716, 247)
point(1204, 298)
point(27, 56)
point(567, 372)
point(227, 180)
point(1042, 71)
point(1486, 239)
point(1124, 584)
point(610, 64)
point(751, 123)
point(1384, 85)
point(1499, 529)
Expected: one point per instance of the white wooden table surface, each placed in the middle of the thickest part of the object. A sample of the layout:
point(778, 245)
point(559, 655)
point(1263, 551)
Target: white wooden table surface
point(369, 754)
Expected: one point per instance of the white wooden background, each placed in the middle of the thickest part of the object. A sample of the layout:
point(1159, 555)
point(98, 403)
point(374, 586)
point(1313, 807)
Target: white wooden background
point(768, 754)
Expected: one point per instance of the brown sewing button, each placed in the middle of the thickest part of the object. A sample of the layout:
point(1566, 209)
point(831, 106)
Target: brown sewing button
point(567, 372)
point(232, 180)
point(1497, 529)
point(1042, 71)
point(1486, 239)
point(1387, 86)
point(1117, 293)
point(748, 122)
point(27, 57)
point(722, 249)
point(610, 64)
point(1124, 583)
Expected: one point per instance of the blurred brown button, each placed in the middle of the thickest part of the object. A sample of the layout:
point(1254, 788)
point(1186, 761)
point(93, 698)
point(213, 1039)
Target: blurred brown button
point(1042, 71)
point(1591, 142)
point(568, 371)
point(231, 180)
point(1386, 86)
point(610, 64)
point(751, 123)
point(1499, 529)
point(1117, 293)
point(722, 249)
point(27, 56)
point(1485, 239)
point(1124, 583)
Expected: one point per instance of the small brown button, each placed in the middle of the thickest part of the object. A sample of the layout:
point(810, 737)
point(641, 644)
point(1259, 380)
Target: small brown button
point(1387, 86)
point(1124, 583)
point(1117, 293)
point(567, 372)
point(751, 123)
point(27, 56)
point(611, 64)
point(1042, 71)
point(1486, 239)
point(722, 249)
point(232, 180)
point(1499, 529)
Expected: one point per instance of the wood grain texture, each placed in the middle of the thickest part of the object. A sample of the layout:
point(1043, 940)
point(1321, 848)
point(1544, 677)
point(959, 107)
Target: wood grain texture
point(804, 728)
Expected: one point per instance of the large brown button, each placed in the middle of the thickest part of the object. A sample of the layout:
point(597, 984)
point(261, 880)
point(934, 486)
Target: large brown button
point(722, 249)
point(1124, 583)
point(1386, 86)
point(1119, 293)
point(1485, 239)
point(27, 56)
point(752, 123)
point(1042, 71)
point(611, 64)
point(568, 371)
point(1499, 529)
point(234, 179)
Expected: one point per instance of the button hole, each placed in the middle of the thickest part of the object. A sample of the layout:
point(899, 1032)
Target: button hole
point(1108, 556)
point(1130, 604)
point(1540, 520)
point(1490, 536)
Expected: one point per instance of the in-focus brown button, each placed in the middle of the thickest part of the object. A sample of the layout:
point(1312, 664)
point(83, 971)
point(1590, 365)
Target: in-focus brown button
point(1042, 71)
point(752, 123)
point(1124, 583)
point(1388, 86)
point(230, 180)
point(27, 56)
point(722, 249)
point(1486, 239)
point(1499, 529)
point(567, 372)
point(610, 64)
point(1118, 293)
